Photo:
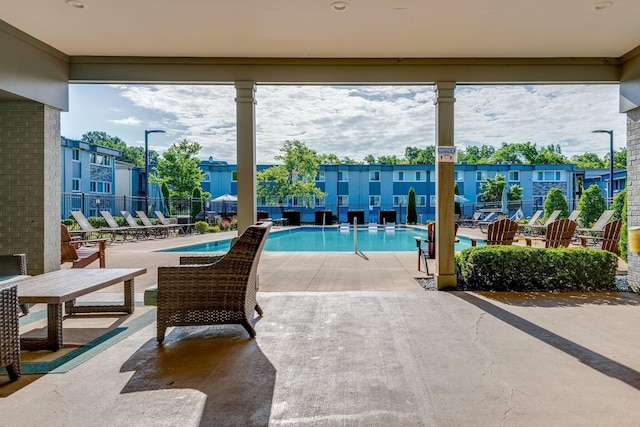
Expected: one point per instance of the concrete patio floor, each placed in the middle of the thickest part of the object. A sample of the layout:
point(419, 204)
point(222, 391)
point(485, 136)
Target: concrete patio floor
point(348, 339)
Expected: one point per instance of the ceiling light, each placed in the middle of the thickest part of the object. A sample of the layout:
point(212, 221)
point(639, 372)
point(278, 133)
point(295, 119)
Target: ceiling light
point(339, 6)
point(603, 5)
point(75, 3)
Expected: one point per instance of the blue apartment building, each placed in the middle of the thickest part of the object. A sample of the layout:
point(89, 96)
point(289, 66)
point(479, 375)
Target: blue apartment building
point(92, 180)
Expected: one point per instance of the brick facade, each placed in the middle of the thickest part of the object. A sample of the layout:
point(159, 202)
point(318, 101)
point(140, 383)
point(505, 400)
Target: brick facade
point(30, 183)
point(633, 190)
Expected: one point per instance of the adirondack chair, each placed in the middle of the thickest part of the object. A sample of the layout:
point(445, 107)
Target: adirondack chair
point(559, 233)
point(500, 232)
point(74, 251)
point(526, 228)
point(610, 239)
point(430, 251)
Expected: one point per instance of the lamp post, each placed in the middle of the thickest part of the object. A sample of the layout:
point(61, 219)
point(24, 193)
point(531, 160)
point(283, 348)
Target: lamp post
point(610, 132)
point(146, 165)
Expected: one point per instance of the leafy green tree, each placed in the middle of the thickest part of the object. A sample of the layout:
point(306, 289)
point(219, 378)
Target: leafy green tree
point(617, 206)
point(295, 177)
point(550, 155)
point(179, 169)
point(620, 158)
point(555, 201)
point(591, 205)
point(420, 156)
point(369, 159)
point(474, 155)
point(390, 160)
point(588, 161)
point(492, 190)
point(412, 211)
point(164, 189)
point(196, 203)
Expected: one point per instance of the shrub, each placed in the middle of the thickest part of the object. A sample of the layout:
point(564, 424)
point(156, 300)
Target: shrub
point(518, 268)
point(624, 233)
point(412, 212)
point(555, 201)
point(202, 227)
point(591, 205)
point(214, 229)
point(196, 203)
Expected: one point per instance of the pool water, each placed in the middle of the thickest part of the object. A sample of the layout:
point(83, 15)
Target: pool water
point(330, 239)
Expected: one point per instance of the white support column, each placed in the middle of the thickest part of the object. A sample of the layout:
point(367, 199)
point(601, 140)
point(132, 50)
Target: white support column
point(445, 236)
point(246, 153)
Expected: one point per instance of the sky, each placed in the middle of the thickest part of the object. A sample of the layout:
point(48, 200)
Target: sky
point(349, 121)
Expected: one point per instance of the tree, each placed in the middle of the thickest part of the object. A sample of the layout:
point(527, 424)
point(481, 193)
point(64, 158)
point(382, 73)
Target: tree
point(179, 169)
point(420, 156)
point(555, 201)
point(591, 205)
point(620, 158)
point(588, 161)
point(133, 155)
point(457, 209)
point(550, 155)
point(492, 190)
point(164, 189)
point(412, 211)
point(474, 155)
point(196, 203)
point(294, 178)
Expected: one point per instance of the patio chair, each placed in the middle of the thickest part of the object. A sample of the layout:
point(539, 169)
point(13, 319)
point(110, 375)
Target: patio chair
point(610, 239)
point(470, 222)
point(487, 220)
point(160, 228)
point(573, 216)
point(219, 292)
point(143, 230)
point(87, 230)
point(540, 229)
point(12, 269)
point(598, 227)
point(430, 251)
point(73, 251)
point(526, 228)
point(9, 330)
point(559, 233)
point(179, 227)
point(500, 232)
point(117, 229)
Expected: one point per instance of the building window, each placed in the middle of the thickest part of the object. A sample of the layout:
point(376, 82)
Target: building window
point(99, 159)
point(418, 176)
point(75, 184)
point(320, 176)
point(100, 187)
point(343, 176)
point(514, 176)
point(75, 155)
point(374, 200)
point(374, 176)
point(481, 176)
point(548, 176)
point(234, 176)
point(343, 200)
point(421, 200)
point(398, 176)
point(319, 201)
point(207, 177)
point(457, 176)
point(400, 200)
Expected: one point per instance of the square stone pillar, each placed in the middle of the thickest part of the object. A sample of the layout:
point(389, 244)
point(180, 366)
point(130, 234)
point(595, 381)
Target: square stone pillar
point(445, 277)
point(30, 183)
point(246, 153)
point(633, 191)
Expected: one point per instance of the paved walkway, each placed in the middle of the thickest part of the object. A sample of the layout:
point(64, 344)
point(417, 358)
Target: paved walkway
point(383, 353)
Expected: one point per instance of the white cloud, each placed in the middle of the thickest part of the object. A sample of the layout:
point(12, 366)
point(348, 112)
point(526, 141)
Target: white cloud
point(355, 121)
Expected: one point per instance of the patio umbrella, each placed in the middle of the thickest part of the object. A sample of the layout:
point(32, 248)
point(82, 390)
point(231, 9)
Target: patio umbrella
point(460, 199)
point(505, 205)
point(224, 199)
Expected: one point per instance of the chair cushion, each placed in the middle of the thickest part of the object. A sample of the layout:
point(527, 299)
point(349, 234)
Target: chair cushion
point(151, 295)
point(12, 278)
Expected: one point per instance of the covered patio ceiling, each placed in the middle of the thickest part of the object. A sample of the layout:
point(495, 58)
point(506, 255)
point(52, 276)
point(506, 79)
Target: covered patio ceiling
point(326, 29)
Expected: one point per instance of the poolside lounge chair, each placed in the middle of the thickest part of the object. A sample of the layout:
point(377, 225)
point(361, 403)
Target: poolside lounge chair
point(179, 227)
point(160, 228)
point(430, 251)
point(610, 239)
point(74, 251)
point(117, 229)
point(470, 222)
point(526, 228)
point(486, 221)
point(223, 291)
point(573, 216)
point(145, 230)
point(540, 229)
point(558, 233)
point(500, 232)
point(598, 226)
point(88, 230)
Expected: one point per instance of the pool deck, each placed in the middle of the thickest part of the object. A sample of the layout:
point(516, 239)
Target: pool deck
point(348, 339)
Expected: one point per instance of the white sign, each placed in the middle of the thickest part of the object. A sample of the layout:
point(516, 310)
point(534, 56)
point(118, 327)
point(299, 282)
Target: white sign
point(447, 154)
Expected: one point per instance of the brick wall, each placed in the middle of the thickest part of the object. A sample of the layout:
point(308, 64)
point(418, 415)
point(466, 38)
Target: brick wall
point(633, 190)
point(30, 183)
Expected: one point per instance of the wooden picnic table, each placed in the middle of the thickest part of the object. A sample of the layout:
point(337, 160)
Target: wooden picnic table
point(63, 287)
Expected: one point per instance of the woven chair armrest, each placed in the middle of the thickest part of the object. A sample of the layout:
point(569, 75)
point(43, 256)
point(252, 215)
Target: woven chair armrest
point(200, 259)
point(13, 264)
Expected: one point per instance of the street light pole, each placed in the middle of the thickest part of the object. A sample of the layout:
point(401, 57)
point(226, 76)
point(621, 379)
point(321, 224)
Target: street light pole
point(146, 165)
point(610, 132)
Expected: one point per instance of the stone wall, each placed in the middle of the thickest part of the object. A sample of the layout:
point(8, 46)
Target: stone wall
point(633, 190)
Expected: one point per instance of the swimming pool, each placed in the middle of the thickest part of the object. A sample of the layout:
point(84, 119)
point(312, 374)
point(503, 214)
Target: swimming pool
point(329, 239)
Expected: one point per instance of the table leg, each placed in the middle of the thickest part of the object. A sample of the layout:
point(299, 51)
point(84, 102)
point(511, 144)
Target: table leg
point(53, 341)
point(127, 307)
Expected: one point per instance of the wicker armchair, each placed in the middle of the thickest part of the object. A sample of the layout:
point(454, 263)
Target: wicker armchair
point(220, 291)
point(9, 330)
point(14, 268)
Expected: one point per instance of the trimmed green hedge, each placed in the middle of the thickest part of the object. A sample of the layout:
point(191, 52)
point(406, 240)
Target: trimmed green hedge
point(522, 268)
